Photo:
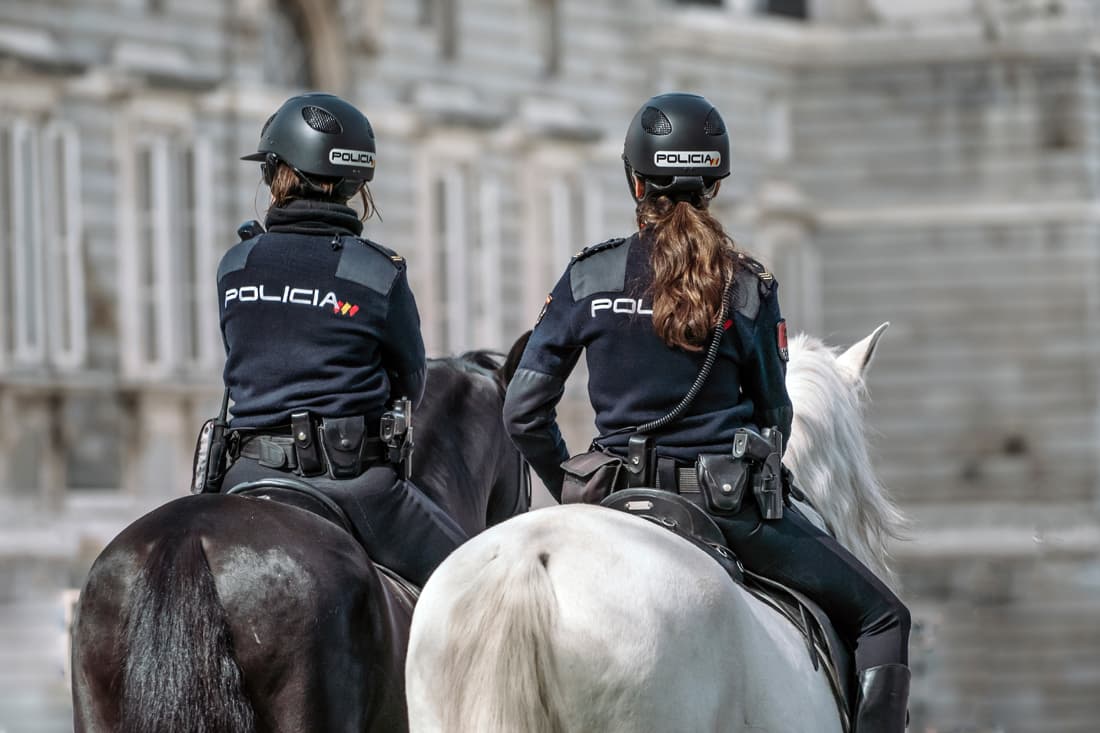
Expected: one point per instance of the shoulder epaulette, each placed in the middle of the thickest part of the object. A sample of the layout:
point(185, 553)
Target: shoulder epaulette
point(593, 249)
point(766, 278)
point(390, 254)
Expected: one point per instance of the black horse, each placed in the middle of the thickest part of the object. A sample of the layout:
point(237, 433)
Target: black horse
point(225, 614)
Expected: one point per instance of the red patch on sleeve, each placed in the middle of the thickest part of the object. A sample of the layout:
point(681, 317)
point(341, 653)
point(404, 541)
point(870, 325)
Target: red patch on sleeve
point(545, 306)
point(781, 340)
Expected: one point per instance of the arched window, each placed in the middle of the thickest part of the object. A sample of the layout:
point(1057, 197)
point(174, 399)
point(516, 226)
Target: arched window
point(287, 51)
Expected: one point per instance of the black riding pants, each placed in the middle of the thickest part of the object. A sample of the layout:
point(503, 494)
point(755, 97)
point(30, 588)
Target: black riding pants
point(397, 524)
point(791, 550)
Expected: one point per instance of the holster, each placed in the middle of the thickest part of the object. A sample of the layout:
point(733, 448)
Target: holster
point(722, 481)
point(396, 431)
point(211, 458)
point(342, 440)
point(765, 451)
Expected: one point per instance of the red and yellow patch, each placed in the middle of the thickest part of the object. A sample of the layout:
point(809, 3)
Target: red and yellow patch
point(343, 308)
point(781, 340)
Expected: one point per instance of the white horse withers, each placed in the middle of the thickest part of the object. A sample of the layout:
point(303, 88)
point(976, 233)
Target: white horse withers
point(578, 618)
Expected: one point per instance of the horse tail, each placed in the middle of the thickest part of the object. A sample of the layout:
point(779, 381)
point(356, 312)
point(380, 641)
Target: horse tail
point(180, 671)
point(499, 662)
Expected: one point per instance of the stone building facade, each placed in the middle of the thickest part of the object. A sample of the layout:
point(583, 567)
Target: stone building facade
point(931, 163)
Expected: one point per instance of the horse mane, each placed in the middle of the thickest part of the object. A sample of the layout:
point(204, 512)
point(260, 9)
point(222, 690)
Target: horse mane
point(482, 362)
point(486, 362)
point(829, 455)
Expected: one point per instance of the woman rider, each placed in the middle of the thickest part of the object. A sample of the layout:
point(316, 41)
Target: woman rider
point(321, 331)
point(643, 308)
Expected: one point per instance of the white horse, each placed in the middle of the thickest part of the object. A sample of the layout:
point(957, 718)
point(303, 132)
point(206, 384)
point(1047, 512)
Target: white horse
point(578, 618)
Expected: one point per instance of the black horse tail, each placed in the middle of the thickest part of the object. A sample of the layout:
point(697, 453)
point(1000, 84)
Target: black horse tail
point(181, 673)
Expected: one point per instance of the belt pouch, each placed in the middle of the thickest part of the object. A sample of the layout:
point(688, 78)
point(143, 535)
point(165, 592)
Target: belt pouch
point(722, 480)
point(639, 461)
point(342, 441)
point(590, 477)
point(305, 444)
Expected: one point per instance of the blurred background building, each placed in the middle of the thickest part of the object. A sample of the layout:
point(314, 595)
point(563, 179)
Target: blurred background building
point(932, 163)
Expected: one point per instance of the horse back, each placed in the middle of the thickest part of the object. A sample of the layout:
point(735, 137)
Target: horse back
point(463, 459)
point(308, 621)
point(622, 625)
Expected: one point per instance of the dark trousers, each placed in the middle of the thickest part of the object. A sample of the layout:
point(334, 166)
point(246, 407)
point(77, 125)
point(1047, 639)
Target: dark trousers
point(791, 550)
point(399, 527)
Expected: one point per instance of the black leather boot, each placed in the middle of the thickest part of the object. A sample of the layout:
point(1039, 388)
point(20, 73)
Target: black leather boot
point(883, 699)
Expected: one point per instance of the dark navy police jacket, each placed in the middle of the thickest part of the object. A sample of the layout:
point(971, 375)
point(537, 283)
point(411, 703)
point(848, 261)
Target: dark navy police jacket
point(602, 305)
point(316, 319)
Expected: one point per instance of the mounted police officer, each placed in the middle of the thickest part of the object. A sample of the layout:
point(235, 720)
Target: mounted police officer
point(645, 309)
point(321, 333)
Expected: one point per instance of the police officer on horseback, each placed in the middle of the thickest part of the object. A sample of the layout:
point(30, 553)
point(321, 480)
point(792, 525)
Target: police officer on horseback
point(321, 332)
point(686, 351)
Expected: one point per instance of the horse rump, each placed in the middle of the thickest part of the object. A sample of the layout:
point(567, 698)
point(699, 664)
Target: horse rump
point(497, 658)
point(154, 653)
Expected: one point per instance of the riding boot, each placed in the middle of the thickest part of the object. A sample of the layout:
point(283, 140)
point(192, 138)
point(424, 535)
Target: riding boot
point(883, 699)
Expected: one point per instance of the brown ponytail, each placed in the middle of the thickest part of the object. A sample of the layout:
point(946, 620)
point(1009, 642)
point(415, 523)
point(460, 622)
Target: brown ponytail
point(286, 186)
point(693, 262)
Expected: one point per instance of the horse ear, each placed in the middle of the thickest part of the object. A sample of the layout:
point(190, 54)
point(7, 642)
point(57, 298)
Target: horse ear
point(511, 362)
point(858, 357)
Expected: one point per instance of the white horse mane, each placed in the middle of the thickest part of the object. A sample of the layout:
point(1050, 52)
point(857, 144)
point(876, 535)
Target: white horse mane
point(828, 451)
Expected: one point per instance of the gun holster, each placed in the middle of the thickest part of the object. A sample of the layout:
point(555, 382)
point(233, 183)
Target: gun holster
point(396, 431)
point(764, 450)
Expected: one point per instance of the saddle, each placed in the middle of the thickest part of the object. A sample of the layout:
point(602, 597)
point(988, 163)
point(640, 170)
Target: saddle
point(298, 493)
point(692, 523)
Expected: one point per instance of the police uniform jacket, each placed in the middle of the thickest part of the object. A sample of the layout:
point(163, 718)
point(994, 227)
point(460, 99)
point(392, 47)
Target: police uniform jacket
point(316, 319)
point(602, 305)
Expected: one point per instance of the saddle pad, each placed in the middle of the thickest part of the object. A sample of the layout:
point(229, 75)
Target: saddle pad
point(823, 642)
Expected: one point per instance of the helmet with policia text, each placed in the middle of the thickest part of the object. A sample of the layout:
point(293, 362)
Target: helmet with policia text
point(323, 138)
point(678, 144)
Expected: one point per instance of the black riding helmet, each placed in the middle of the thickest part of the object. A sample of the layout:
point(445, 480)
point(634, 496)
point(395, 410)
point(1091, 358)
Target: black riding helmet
point(323, 138)
point(678, 144)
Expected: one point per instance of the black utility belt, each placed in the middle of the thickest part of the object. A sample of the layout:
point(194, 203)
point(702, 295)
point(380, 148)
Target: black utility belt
point(722, 479)
point(338, 446)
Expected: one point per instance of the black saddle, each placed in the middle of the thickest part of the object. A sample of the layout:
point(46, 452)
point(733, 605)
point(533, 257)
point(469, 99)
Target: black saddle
point(305, 496)
point(690, 521)
point(298, 494)
point(676, 513)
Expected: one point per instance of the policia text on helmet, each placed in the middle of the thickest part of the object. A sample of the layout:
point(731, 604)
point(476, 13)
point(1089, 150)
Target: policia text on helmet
point(676, 146)
point(319, 145)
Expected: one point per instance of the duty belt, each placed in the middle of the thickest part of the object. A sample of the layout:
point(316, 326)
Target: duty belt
point(674, 476)
point(279, 451)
